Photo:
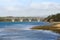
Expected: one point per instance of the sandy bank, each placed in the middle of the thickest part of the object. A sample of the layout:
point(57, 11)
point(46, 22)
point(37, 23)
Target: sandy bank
point(54, 28)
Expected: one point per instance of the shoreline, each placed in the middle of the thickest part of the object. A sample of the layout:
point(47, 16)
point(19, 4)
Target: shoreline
point(55, 27)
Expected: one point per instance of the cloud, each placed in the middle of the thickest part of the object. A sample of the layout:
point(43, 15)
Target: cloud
point(45, 5)
point(46, 8)
point(7, 0)
point(11, 8)
point(14, 8)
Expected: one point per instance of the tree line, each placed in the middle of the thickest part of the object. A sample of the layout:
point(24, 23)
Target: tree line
point(55, 17)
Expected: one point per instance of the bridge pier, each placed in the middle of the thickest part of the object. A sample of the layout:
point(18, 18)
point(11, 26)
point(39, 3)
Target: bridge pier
point(30, 20)
point(21, 20)
point(38, 20)
point(13, 20)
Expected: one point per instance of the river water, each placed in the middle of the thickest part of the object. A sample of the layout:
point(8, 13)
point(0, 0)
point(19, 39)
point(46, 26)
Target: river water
point(21, 31)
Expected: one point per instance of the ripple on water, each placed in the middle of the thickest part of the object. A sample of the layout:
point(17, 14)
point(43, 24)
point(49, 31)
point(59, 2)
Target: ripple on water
point(21, 31)
point(16, 34)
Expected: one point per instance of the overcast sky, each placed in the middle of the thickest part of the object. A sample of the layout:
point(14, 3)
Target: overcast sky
point(29, 7)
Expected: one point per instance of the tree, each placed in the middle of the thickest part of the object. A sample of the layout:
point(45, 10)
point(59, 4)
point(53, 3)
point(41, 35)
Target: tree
point(55, 17)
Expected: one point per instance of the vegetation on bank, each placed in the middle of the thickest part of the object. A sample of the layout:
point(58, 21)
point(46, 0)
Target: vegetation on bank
point(55, 18)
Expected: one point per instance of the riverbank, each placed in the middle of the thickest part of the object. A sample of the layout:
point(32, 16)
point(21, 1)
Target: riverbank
point(55, 28)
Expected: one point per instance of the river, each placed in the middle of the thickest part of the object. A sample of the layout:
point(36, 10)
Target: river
point(21, 31)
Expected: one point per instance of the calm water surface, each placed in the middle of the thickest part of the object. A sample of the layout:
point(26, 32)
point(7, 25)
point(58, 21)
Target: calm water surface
point(21, 31)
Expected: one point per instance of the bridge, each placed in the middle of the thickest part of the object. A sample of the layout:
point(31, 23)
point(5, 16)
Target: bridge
point(24, 19)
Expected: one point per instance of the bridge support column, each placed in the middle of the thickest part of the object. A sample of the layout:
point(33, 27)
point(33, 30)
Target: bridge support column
point(13, 20)
point(29, 20)
point(21, 20)
point(38, 20)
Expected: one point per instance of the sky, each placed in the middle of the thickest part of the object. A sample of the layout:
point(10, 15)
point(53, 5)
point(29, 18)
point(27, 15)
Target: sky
point(29, 7)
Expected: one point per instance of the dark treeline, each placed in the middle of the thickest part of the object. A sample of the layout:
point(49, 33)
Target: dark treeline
point(55, 18)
